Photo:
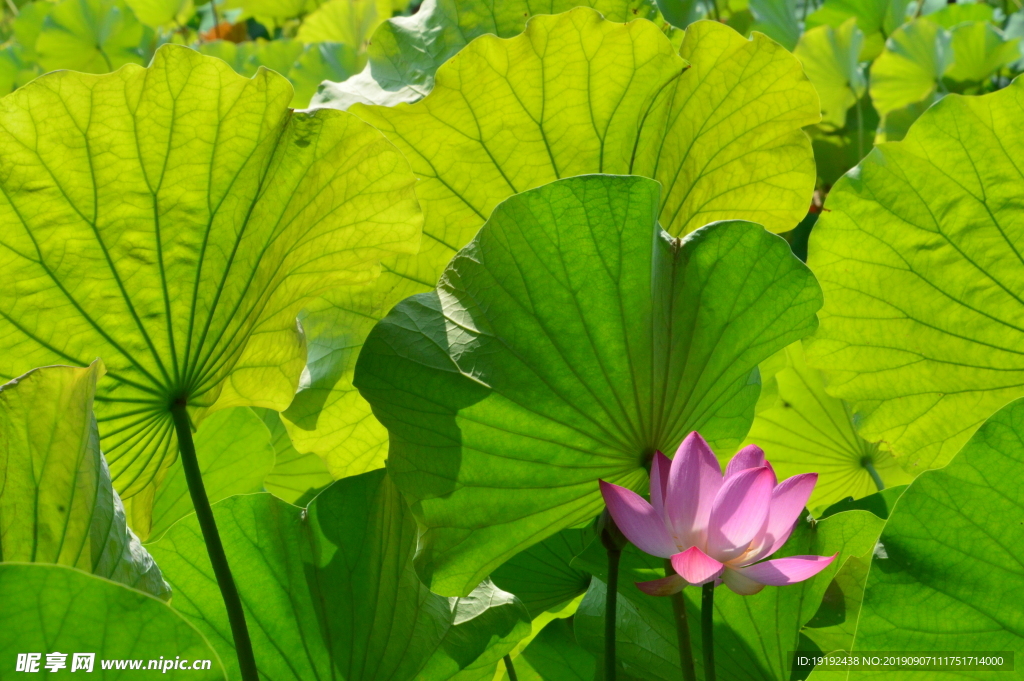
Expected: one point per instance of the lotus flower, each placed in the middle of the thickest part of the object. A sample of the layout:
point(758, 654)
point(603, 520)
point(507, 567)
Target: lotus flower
point(716, 528)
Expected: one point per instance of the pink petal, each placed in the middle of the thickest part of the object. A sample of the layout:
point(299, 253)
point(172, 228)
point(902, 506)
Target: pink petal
point(695, 566)
point(741, 584)
point(750, 456)
point(788, 501)
point(638, 521)
point(740, 513)
point(783, 571)
point(660, 467)
point(693, 482)
point(666, 586)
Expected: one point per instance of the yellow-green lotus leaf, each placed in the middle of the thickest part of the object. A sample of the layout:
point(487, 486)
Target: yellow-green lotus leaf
point(173, 220)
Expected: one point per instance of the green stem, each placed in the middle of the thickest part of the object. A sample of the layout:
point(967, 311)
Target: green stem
point(233, 604)
point(707, 610)
point(510, 668)
point(682, 631)
point(609, 611)
point(860, 129)
point(870, 466)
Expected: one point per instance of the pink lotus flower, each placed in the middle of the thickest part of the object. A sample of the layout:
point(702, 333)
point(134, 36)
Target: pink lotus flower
point(716, 528)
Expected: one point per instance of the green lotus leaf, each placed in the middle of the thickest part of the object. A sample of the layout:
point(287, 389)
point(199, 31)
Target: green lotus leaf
point(320, 62)
point(277, 10)
point(776, 19)
point(56, 501)
point(480, 137)
point(162, 13)
point(878, 19)
point(405, 52)
point(548, 585)
point(980, 50)
point(634, 564)
point(836, 151)
point(204, 214)
point(879, 503)
point(911, 67)
point(18, 59)
point(502, 119)
point(235, 456)
point(645, 635)
point(951, 15)
point(237, 55)
point(754, 635)
point(546, 360)
point(276, 55)
point(896, 124)
point(53, 608)
point(28, 24)
point(537, 626)
point(948, 568)
point(328, 416)
point(16, 68)
point(246, 58)
point(94, 36)
point(305, 66)
point(296, 477)
point(554, 655)
point(542, 576)
point(830, 60)
point(330, 590)
point(1015, 29)
point(681, 13)
point(488, 624)
point(919, 262)
point(344, 21)
point(803, 429)
point(834, 625)
point(922, 57)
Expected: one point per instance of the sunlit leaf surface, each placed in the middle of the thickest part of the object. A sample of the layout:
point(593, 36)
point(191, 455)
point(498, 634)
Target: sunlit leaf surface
point(172, 221)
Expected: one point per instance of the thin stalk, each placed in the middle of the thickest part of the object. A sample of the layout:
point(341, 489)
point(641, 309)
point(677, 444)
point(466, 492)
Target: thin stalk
point(682, 631)
point(870, 466)
point(233, 604)
point(609, 611)
point(510, 668)
point(707, 610)
point(860, 128)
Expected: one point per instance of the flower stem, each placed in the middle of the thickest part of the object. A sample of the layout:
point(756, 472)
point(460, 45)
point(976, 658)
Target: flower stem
point(860, 128)
point(682, 631)
point(870, 466)
point(609, 612)
point(510, 668)
point(707, 610)
point(233, 604)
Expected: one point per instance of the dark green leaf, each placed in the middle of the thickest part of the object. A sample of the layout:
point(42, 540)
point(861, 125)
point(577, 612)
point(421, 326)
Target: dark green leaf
point(570, 340)
point(331, 589)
